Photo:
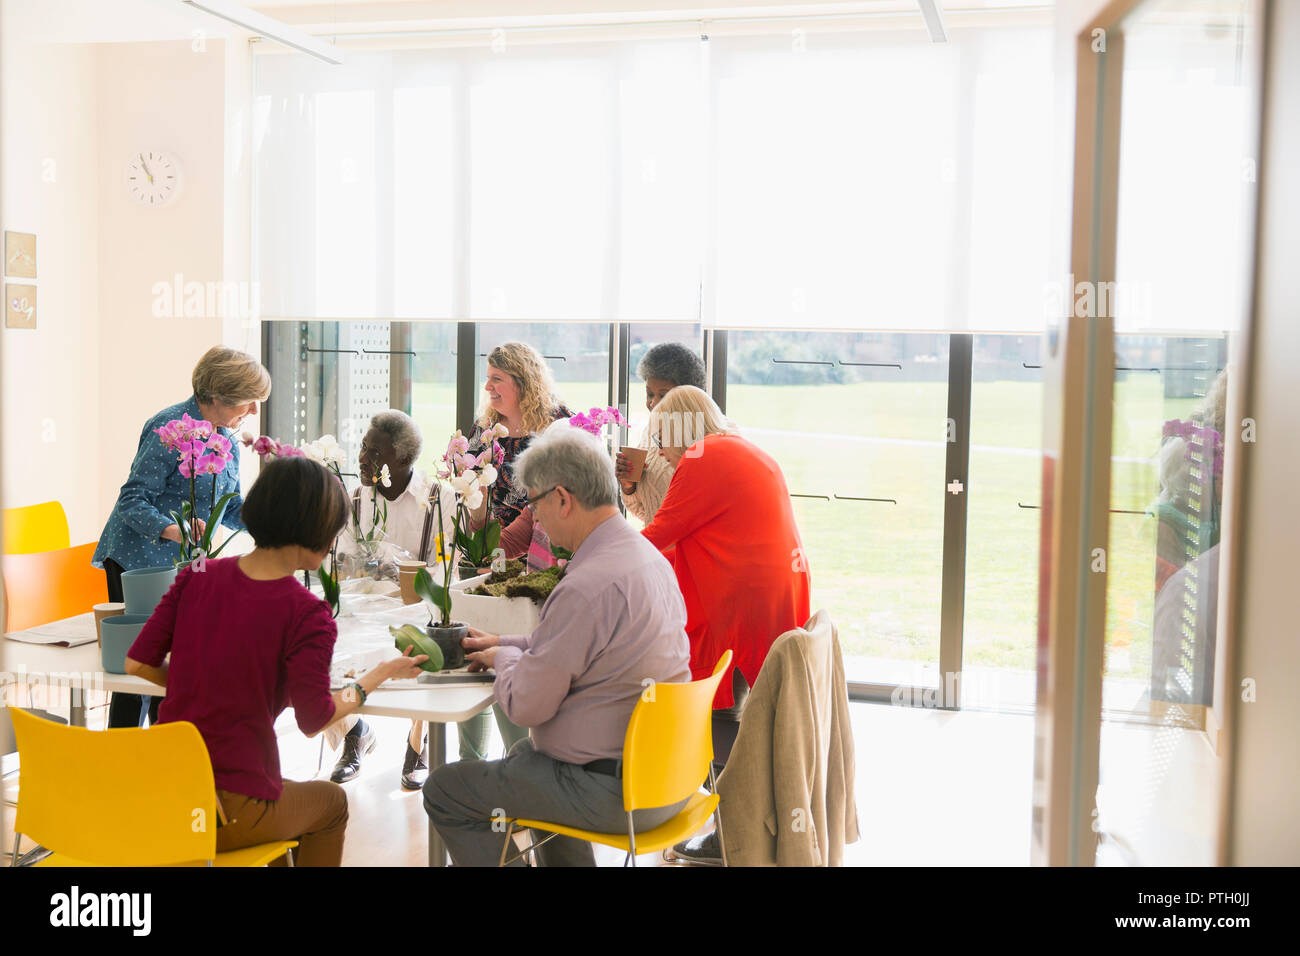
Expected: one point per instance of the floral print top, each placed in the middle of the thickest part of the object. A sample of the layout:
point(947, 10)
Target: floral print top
point(508, 499)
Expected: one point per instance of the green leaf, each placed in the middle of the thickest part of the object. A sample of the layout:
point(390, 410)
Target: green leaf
point(221, 547)
point(214, 519)
point(435, 596)
point(492, 537)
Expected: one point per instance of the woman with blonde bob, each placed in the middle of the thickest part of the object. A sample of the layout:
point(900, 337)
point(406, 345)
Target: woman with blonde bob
point(727, 526)
point(228, 387)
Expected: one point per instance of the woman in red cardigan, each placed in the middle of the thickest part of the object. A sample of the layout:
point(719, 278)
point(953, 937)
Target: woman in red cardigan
point(727, 526)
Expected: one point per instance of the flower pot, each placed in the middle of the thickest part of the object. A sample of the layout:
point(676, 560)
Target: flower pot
point(143, 588)
point(119, 633)
point(448, 640)
point(467, 569)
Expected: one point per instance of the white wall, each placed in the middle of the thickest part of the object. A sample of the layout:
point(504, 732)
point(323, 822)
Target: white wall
point(52, 385)
point(159, 96)
point(78, 389)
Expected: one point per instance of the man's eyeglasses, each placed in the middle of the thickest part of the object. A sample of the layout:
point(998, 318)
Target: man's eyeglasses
point(531, 503)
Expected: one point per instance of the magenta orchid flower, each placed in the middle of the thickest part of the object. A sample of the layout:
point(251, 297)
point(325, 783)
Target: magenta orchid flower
point(596, 419)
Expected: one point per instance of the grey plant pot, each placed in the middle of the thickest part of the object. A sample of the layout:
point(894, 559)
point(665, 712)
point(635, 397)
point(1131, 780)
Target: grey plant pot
point(143, 588)
point(120, 632)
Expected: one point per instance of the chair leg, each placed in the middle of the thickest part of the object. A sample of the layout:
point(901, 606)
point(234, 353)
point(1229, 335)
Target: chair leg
point(717, 816)
point(13, 860)
point(631, 842)
point(505, 847)
point(320, 758)
point(288, 856)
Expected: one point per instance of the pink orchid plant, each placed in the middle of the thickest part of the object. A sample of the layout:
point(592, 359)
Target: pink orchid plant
point(201, 450)
point(471, 477)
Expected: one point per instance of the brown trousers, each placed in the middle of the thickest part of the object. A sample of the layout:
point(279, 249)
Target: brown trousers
point(313, 813)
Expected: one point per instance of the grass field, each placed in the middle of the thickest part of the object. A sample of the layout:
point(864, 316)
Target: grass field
point(877, 566)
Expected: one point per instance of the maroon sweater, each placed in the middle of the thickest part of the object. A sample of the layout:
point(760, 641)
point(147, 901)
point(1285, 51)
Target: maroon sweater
point(242, 651)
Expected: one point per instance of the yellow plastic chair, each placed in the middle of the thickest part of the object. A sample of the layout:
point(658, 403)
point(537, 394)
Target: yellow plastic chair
point(131, 797)
point(51, 585)
point(42, 527)
point(667, 754)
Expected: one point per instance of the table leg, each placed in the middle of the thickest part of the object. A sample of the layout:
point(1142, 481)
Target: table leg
point(437, 757)
point(76, 706)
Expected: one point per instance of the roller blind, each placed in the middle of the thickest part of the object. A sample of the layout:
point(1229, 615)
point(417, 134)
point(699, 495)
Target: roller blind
point(864, 179)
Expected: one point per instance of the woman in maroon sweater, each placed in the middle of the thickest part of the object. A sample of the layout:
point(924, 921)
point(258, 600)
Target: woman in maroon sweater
point(247, 640)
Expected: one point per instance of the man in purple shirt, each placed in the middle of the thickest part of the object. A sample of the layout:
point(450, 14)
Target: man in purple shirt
point(614, 625)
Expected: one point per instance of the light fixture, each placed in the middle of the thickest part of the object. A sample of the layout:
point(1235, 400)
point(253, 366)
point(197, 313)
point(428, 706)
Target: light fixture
point(268, 27)
point(933, 20)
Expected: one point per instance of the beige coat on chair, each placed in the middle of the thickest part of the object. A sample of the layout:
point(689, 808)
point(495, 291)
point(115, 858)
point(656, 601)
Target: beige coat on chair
point(787, 790)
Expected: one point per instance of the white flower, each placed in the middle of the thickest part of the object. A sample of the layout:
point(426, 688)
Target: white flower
point(499, 430)
point(463, 482)
point(474, 499)
point(325, 450)
point(487, 475)
point(384, 478)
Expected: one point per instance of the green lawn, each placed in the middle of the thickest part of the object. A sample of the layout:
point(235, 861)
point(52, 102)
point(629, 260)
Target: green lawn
point(877, 566)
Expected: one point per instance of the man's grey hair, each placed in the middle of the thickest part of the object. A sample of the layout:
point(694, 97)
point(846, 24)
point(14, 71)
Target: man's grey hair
point(568, 456)
point(403, 432)
point(674, 363)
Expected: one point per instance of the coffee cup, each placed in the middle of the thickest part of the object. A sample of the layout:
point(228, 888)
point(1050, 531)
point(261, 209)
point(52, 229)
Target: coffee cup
point(636, 459)
point(108, 609)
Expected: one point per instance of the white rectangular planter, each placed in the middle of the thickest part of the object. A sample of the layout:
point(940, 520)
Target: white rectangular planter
point(496, 615)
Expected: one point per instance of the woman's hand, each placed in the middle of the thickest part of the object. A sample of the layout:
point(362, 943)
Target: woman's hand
point(173, 532)
point(622, 469)
point(401, 668)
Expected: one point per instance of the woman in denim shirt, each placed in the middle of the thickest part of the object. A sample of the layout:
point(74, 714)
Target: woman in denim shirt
point(140, 533)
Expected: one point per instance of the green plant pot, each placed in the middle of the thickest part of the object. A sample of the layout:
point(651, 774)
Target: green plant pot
point(448, 640)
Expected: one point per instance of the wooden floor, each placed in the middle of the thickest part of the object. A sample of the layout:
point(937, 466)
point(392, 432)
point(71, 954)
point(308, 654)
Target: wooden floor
point(932, 788)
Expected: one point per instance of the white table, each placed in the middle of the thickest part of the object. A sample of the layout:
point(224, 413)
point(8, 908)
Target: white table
point(363, 634)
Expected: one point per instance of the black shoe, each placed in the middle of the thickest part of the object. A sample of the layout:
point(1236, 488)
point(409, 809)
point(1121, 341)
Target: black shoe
point(701, 849)
point(354, 746)
point(415, 768)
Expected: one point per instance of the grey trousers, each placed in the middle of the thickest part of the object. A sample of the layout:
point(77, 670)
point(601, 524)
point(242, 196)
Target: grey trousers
point(462, 800)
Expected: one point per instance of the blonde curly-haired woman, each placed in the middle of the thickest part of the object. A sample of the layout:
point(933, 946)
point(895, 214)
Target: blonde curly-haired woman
point(520, 394)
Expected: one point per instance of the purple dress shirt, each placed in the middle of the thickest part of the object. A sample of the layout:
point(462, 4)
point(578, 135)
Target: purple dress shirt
point(614, 622)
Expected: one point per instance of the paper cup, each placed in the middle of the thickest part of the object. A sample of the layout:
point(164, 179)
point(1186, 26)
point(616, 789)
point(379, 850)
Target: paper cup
point(110, 609)
point(406, 571)
point(636, 458)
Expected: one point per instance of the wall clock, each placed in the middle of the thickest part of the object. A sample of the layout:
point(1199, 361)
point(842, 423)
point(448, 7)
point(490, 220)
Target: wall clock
point(153, 178)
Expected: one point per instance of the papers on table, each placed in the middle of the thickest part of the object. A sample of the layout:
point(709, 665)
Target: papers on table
point(70, 632)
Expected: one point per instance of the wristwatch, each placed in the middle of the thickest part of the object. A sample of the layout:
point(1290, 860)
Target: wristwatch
point(361, 691)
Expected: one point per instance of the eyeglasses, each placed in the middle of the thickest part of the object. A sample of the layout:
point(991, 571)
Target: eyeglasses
point(531, 503)
point(656, 441)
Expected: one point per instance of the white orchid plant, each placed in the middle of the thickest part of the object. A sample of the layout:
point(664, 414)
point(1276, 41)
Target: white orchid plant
point(471, 478)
